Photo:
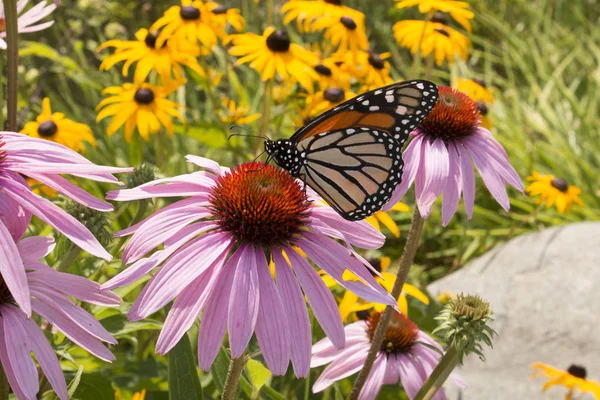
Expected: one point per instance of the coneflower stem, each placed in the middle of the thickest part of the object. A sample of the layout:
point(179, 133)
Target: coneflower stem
point(236, 366)
point(68, 259)
point(439, 375)
point(412, 242)
point(12, 54)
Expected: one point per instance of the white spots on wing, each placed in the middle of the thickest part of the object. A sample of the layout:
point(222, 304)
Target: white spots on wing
point(405, 121)
point(401, 110)
point(350, 131)
point(420, 86)
point(378, 92)
point(390, 99)
point(365, 103)
point(426, 93)
point(374, 108)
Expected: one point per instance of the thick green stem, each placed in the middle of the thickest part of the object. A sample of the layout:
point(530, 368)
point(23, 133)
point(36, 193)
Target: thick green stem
point(412, 242)
point(68, 259)
point(236, 366)
point(439, 375)
point(12, 79)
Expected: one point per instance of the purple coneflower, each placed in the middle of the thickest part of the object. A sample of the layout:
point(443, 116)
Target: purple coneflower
point(216, 244)
point(26, 21)
point(46, 161)
point(31, 284)
point(403, 357)
point(439, 158)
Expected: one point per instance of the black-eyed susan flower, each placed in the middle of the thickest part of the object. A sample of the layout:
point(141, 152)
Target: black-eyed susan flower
point(574, 379)
point(387, 221)
point(274, 54)
point(139, 105)
point(308, 12)
point(166, 58)
point(237, 114)
point(223, 16)
point(345, 33)
point(331, 74)
point(326, 99)
point(371, 68)
point(478, 91)
point(553, 191)
point(192, 21)
point(431, 37)
point(459, 10)
point(57, 128)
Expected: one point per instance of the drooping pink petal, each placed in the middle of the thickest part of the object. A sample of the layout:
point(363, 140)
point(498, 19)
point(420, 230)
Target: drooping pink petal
point(328, 354)
point(186, 308)
point(412, 163)
point(13, 271)
point(436, 167)
point(244, 301)
point(46, 357)
point(18, 350)
point(272, 326)
point(13, 216)
point(181, 269)
point(453, 186)
point(409, 375)
point(298, 320)
point(357, 233)
point(375, 379)
point(6, 365)
point(349, 362)
point(55, 217)
point(72, 330)
point(499, 159)
point(214, 320)
point(468, 179)
point(72, 191)
point(319, 297)
point(195, 184)
point(205, 163)
point(35, 247)
point(392, 371)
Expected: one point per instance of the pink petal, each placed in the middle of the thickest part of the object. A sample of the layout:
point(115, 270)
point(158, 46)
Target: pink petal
point(319, 297)
point(327, 355)
point(214, 319)
point(8, 368)
point(272, 326)
point(409, 375)
point(375, 379)
point(72, 330)
point(244, 301)
point(357, 233)
point(13, 271)
point(18, 350)
point(35, 247)
point(436, 170)
point(196, 184)
point(453, 186)
point(392, 372)
point(13, 216)
point(55, 217)
point(205, 163)
point(186, 309)
point(468, 179)
point(349, 362)
point(181, 269)
point(497, 155)
point(412, 163)
point(298, 320)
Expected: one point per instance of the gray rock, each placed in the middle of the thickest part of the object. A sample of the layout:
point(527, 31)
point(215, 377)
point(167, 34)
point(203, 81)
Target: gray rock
point(543, 288)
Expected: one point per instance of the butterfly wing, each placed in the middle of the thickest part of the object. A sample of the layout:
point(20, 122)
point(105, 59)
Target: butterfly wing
point(354, 169)
point(397, 108)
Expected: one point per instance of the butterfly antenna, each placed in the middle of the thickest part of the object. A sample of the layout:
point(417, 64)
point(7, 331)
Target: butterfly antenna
point(252, 133)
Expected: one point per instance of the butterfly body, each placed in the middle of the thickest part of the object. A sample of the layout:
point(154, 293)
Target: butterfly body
point(352, 155)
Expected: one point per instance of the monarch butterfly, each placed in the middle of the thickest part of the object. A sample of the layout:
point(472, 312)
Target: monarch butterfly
point(351, 155)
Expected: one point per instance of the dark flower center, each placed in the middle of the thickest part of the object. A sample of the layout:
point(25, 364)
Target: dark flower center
point(5, 296)
point(278, 41)
point(454, 116)
point(189, 13)
point(375, 60)
point(150, 40)
point(400, 335)
point(560, 184)
point(442, 31)
point(144, 96)
point(577, 371)
point(480, 82)
point(440, 18)
point(47, 128)
point(220, 10)
point(376, 263)
point(323, 70)
point(259, 204)
point(335, 2)
point(363, 315)
point(348, 23)
point(334, 94)
point(482, 107)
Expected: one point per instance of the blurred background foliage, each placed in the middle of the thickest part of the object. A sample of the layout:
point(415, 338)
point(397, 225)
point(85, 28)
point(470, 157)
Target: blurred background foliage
point(540, 58)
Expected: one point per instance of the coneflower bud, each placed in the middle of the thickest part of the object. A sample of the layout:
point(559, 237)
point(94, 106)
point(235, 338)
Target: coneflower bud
point(465, 320)
point(94, 220)
point(140, 175)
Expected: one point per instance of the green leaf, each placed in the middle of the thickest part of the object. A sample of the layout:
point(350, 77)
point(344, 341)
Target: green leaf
point(258, 374)
point(75, 382)
point(94, 387)
point(184, 383)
